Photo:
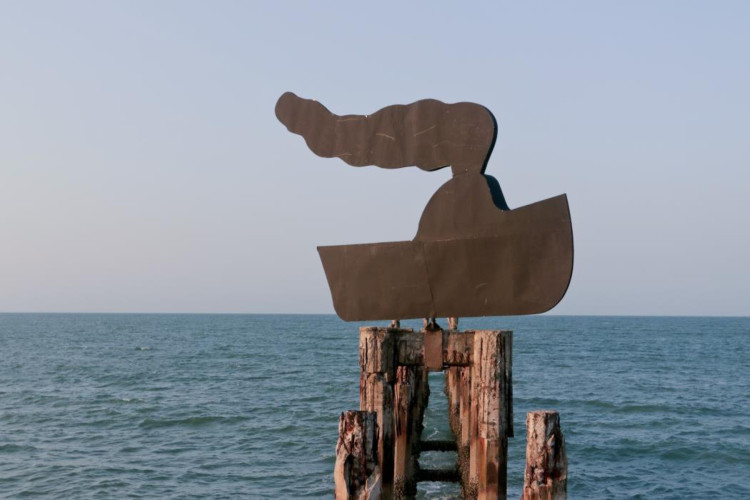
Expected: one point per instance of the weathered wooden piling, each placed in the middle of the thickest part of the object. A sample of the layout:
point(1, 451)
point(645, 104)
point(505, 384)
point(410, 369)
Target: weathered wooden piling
point(546, 474)
point(357, 474)
point(408, 413)
point(376, 361)
point(464, 435)
point(490, 414)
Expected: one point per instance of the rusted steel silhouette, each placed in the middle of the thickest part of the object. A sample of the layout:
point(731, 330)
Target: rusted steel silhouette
point(472, 255)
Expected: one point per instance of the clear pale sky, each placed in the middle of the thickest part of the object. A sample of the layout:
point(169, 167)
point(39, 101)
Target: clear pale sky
point(142, 168)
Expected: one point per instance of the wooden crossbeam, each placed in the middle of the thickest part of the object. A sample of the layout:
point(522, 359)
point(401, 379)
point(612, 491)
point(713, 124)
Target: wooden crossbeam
point(438, 475)
point(438, 445)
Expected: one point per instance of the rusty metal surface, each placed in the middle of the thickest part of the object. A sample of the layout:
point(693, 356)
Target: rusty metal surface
point(433, 349)
point(471, 256)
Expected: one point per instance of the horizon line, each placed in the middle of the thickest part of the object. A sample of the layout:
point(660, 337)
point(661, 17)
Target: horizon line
point(408, 319)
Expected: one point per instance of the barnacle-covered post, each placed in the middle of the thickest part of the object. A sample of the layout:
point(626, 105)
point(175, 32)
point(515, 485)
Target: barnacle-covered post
point(491, 413)
point(377, 373)
point(356, 474)
point(546, 474)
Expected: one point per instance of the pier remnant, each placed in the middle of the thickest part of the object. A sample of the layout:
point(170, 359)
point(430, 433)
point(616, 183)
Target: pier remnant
point(546, 474)
point(394, 364)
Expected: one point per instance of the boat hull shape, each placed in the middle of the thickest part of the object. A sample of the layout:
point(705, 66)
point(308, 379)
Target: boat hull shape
point(521, 266)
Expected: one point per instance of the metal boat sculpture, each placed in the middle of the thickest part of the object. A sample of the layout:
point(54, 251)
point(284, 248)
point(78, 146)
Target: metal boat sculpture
point(472, 255)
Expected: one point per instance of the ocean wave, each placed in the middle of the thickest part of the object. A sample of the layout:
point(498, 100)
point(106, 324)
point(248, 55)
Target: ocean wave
point(16, 448)
point(151, 423)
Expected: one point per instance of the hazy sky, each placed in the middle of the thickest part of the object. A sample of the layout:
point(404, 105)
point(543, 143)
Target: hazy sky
point(142, 167)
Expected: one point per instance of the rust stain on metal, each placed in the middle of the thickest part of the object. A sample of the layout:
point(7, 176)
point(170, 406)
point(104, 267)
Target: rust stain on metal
point(433, 349)
point(472, 255)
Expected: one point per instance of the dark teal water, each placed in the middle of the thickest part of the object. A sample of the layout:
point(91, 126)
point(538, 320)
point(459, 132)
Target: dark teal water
point(226, 406)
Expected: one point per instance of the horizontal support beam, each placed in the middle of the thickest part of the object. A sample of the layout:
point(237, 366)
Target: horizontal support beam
point(438, 475)
point(377, 345)
point(438, 445)
point(458, 347)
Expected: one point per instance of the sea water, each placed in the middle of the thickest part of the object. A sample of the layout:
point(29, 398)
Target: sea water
point(230, 406)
